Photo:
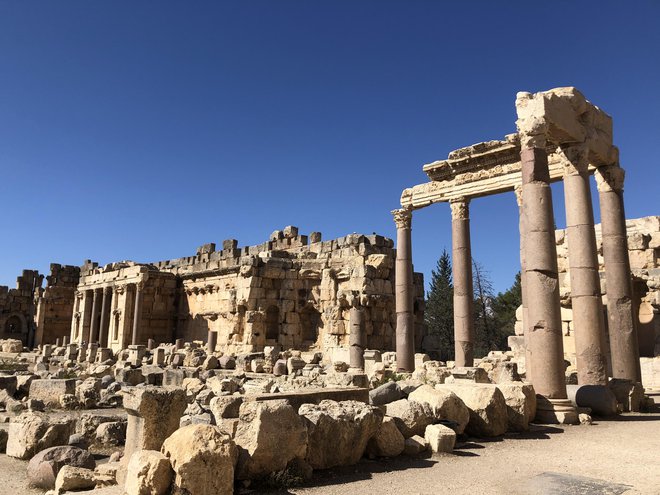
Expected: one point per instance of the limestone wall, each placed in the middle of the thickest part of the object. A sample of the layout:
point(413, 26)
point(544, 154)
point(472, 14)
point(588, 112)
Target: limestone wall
point(293, 291)
point(17, 309)
point(54, 303)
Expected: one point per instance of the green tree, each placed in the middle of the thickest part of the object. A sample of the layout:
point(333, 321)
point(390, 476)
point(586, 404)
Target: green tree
point(504, 307)
point(439, 313)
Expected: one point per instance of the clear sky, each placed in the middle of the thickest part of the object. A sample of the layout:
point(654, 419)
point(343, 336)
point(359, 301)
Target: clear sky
point(143, 129)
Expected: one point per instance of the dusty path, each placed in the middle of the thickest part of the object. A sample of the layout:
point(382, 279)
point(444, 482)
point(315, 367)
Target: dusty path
point(620, 456)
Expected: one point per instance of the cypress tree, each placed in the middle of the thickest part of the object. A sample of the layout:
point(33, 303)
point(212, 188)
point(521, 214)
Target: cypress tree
point(439, 313)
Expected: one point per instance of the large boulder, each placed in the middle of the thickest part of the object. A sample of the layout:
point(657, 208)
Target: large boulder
point(388, 440)
point(444, 404)
point(269, 435)
point(520, 401)
point(12, 346)
point(74, 478)
point(149, 473)
point(32, 432)
point(49, 390)
point(203, 458)
point(88, 392)
point(111, 433)
point(338, 432)
point(410, 417)
point(488, 412)
point(386, 393)
point(43, 468)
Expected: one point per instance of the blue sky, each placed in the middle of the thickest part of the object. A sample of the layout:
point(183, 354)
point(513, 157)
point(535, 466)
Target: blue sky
point(143, 129)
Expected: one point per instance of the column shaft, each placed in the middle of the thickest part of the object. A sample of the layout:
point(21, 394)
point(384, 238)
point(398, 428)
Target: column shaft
point(405, 324)
point(93, 329)
point(542, 293)
point(137, 311)
point(463, 293)
point(105, 309)
point(624, 347)
point(523, 286)
point(356, 338)
point(586, 301)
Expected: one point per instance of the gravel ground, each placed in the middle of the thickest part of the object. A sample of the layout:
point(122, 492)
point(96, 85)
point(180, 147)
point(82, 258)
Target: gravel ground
point(611, 457)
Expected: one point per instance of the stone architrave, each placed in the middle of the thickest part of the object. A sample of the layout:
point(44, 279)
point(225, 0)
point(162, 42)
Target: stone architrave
point(586, 299)
point(624, 347)
point(153, 415)
point(356, 339)
point(405, 319)
point(462, 274)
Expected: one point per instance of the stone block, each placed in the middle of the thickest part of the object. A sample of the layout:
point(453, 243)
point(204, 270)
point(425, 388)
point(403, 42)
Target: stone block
point(440, 438)
point(49, 391)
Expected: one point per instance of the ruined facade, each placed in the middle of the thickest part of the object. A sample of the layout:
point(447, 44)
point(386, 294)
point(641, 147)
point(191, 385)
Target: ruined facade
point(293, 291)
point(17, 307)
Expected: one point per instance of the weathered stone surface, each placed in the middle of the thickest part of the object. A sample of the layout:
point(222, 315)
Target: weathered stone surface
point(11, 346)
point(520, 400)
point(225, 407)
point(444, 403)
point(414, 445)
point(338, 432)
point(153, 415)
point(111, 433)
point(49, 391)
point(386, 393)
point(74, 478)
point(440, 438)
point(599, 398)
point(32, 432)
point(410, 417)
point(149, 473)
point(203, 458)
point(488, 412)
point(43, 467)
point(269, 435)
point(388, 440)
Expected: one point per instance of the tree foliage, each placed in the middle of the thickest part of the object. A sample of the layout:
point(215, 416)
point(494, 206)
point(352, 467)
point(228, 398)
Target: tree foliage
point(439, 312)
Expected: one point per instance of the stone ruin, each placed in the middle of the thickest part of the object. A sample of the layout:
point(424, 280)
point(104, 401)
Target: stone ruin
point(262, 364)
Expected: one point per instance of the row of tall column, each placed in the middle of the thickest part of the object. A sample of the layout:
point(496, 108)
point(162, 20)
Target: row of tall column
point(98, 320)
point(539, 276)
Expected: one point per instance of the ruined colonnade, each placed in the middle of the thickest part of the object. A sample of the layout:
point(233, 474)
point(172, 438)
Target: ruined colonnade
point(561, 136)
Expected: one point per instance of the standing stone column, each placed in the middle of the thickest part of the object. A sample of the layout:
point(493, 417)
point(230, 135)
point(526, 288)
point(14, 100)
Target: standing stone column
point(211, 341)
point(542, 293)
point(523, 284)
point(105, 320)
point(76, 322)
point(586, 299)
point(356, 339)
point(94, 327)
point(405, 322)
point(462, 274)
point(137, 312)
point(85, 316)
point(624, 347)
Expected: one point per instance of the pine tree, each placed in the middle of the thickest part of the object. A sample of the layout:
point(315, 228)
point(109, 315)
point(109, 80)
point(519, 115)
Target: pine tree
point(439, 311)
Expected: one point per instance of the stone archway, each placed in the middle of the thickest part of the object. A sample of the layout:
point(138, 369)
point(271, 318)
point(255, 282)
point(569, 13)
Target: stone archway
point(15, 327)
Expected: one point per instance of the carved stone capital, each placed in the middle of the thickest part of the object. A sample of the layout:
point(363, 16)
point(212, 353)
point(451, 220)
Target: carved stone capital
point(610, 178)
point(402, 218)
point(119, 289)
point(575, 159)
point(460, 209)
point(518, 191)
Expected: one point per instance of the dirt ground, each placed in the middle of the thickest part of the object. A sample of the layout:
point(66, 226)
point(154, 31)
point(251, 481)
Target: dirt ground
point(620, 456)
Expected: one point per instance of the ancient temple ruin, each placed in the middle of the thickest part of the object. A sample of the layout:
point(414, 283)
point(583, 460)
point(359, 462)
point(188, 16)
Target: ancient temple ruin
point(561, 136)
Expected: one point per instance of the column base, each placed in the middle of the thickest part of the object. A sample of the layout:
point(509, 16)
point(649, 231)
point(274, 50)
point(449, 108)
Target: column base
point(555, 411)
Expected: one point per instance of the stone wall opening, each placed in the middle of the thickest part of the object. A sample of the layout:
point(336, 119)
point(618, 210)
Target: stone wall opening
point(272, 323)
point(310, 323)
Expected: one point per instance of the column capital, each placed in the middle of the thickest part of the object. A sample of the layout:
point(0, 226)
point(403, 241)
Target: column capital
point(402, 218)
point(574, 158)
point(519, 196)
point(610, 178)
point(460, 209)
point(139, 285)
